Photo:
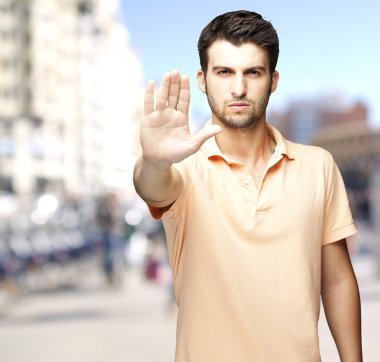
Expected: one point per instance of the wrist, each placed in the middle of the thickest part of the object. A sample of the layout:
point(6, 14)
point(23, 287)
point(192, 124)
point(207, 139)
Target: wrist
point(154, 163)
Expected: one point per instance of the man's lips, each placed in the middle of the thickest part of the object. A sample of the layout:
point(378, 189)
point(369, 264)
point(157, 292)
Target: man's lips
point(239, 105)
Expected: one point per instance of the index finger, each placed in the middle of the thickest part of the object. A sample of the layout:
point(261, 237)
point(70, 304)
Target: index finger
point(149, 97)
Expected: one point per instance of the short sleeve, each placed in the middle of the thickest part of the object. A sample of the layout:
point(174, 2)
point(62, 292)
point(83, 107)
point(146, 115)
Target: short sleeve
point(338, 221)
point(171, 208)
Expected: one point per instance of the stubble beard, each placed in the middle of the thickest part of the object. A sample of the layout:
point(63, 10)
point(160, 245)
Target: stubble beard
point(241, 120)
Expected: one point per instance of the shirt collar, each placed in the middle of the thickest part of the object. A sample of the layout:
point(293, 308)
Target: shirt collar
point(282, 146)
point(211, 148)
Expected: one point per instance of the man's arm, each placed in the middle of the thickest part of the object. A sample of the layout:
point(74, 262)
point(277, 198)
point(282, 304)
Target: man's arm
point(341, 300)
point(156, 185)
point(165, 139)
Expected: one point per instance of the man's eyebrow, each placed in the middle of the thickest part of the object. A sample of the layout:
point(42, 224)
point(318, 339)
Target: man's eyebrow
point(218, 67)
point(255, 67)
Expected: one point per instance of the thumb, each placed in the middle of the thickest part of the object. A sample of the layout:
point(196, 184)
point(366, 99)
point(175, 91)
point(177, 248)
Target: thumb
point(205, 133)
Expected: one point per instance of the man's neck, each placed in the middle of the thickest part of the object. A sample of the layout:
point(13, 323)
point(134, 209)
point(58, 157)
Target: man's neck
point(251, 146)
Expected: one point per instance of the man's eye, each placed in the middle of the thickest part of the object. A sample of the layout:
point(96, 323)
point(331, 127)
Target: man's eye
point(253, 72)
point(223, 71)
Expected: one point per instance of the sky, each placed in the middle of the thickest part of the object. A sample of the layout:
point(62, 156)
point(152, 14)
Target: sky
point(327, 47)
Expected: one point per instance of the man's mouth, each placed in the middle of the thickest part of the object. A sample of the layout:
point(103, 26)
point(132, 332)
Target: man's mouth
point(239, 105)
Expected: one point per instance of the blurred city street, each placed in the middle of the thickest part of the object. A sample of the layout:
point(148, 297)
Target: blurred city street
point(90, 321)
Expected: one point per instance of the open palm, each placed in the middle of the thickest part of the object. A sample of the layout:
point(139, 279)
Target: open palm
point(164, 134)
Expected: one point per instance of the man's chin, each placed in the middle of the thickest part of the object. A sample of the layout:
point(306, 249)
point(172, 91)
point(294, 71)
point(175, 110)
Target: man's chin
point(240, 123)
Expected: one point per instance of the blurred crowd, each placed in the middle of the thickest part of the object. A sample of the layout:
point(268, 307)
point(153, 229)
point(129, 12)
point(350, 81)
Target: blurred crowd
point(45, 246)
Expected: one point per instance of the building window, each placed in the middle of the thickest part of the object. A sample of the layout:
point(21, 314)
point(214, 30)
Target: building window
point(5, 64)
point(6, 184)
point(8, 7)
point(8, 94)
point(6, 139)
point(41, 184)
point(6, 146)
point(26, 13)
point(26, 38)
point(85, 7)
point(37, 145)
point(8, 34)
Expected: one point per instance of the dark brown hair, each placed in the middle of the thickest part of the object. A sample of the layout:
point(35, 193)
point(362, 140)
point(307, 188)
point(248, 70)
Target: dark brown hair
point(240, 27)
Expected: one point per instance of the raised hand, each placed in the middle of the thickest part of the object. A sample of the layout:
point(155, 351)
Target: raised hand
point(164, 134)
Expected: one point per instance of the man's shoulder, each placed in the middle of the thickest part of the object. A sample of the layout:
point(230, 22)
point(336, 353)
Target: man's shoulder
point(308, 153)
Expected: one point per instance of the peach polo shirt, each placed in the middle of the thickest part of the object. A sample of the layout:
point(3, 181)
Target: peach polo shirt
point(246, 261)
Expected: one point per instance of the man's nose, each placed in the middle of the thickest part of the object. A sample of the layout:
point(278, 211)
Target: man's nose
point(239, 87)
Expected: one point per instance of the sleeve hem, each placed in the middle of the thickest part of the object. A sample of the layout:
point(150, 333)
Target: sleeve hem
point(339, 234)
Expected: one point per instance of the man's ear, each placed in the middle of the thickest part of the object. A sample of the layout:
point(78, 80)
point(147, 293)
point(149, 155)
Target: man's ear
point(201, 81)
point(274, 80)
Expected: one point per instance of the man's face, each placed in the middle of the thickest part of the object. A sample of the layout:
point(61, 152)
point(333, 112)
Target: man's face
point(238, 83)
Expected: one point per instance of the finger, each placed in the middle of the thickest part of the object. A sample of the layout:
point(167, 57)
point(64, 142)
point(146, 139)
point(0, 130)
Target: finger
point(184, 95)
point(205, 133)
point(149, 97)
point(175, 79)
point(163, 92)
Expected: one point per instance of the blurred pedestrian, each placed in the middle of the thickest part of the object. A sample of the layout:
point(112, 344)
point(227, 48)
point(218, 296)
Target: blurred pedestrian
point(110, 219)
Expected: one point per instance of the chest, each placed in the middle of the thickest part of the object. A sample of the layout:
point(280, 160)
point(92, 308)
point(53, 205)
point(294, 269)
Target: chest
point(288, 197)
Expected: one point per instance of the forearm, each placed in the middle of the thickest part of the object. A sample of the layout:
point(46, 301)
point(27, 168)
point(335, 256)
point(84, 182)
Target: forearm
point(156, 185)
point(341, 303)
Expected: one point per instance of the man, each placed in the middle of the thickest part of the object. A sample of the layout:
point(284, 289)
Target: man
point(255, 224)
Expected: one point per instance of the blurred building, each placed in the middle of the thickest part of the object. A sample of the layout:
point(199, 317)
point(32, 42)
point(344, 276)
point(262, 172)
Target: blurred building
point(351, 144)
point(302, 119)
point(70, 97)
point(356, 150)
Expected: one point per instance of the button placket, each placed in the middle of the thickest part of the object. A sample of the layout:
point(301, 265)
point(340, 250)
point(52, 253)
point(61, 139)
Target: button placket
point(248, 186)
